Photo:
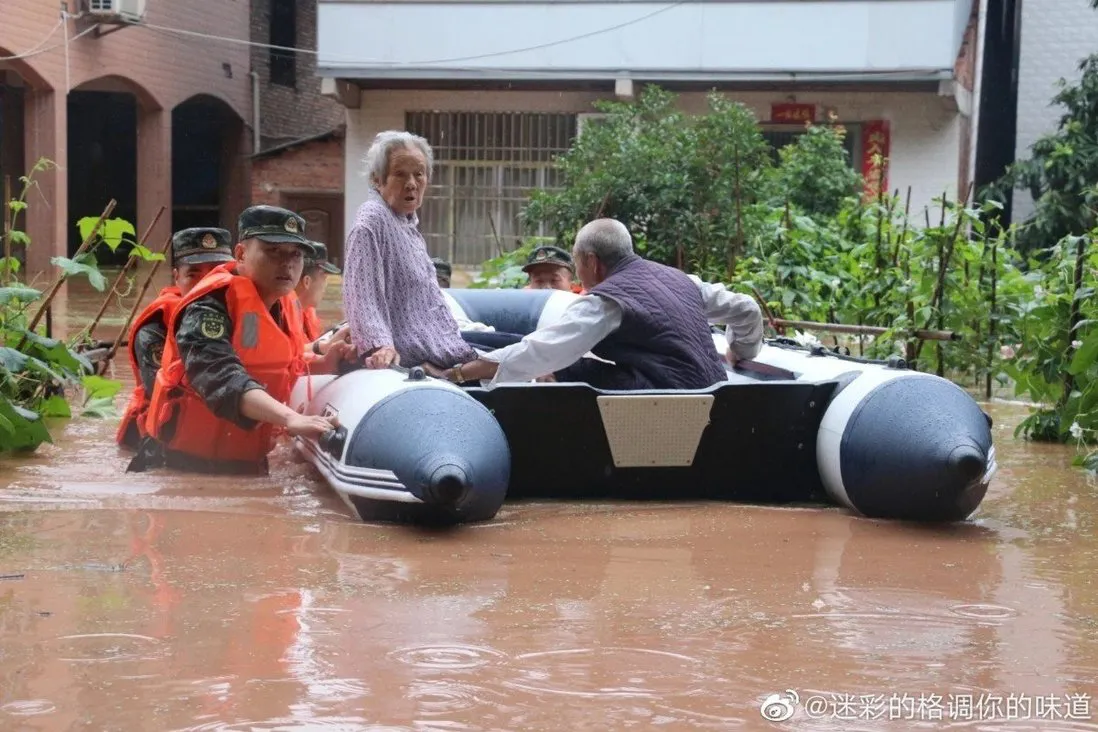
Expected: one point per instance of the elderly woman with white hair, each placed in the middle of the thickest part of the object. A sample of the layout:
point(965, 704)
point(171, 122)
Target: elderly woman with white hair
point(395, 309)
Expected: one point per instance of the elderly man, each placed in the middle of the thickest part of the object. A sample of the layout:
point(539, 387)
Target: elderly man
point(550, 268)
point(651, 321)
point(391, 296)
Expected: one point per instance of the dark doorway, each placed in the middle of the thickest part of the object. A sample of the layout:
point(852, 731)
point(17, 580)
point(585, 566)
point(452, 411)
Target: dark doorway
point(12, 164)
point(997, 130)
point(323, 214)
point(198, 132)
point(102, 140)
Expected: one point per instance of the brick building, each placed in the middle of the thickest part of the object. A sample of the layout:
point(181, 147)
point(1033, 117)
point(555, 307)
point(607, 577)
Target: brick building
point(299, 146)
point(146, 114)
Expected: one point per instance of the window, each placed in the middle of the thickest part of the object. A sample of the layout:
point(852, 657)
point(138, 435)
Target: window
point(486, 167)
point(283, 27)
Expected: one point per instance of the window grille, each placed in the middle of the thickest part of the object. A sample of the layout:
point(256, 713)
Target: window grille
point(486, 166)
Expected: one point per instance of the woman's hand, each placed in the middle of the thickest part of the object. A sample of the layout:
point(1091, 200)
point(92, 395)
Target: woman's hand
point(383, 358)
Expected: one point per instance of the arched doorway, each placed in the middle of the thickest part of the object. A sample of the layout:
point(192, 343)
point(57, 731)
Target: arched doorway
point(207, 164)
point(12, 159)
point(102, 153)
point(19, 83)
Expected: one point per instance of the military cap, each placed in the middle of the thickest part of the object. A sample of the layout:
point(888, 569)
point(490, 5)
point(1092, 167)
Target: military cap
point(549, 255)
point(201, 245)
point(273, 224)
point(442, 267)
point(319, 258)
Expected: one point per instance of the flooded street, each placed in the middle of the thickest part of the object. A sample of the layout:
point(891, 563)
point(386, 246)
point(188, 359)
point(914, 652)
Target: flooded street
point(170, 602)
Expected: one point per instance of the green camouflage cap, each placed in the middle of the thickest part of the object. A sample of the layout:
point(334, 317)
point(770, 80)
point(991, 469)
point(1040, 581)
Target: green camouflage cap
point(549, 255)
point(273, 224)
point(201, 245)
point(319, 258)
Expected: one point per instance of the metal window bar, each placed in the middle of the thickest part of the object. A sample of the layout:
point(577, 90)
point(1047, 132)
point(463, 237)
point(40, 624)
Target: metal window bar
point(778, 136)
point(486, 166)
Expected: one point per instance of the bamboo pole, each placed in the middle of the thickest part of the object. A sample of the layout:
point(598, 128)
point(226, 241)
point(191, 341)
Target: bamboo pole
point(927, 335)
point(136, 306)
point(131, 262)
point(62, 276)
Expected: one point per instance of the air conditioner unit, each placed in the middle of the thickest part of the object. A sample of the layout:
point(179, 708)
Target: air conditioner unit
point(117, 10)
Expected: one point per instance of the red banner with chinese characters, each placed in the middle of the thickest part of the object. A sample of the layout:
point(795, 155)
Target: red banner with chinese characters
point(875, 146)
point(787, 113)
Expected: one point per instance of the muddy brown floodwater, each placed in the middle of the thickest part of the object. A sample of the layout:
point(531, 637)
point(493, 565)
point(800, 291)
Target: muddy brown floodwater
point(171, 602)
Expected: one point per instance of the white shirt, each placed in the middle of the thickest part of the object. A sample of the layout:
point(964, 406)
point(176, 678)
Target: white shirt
point(591, 318)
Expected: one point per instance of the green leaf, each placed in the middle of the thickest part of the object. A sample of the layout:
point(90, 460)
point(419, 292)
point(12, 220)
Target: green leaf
point(146, 254)
point(56, 352)
point(111, 232)
point(1085, 356)
point(18, 294)
point(13, 360)
point(97, 387)
point(17, 206)
point(71, 268)
point(55, 406)
point(10, 263)
point(28, 429)
point(19, 237)
point(99, 408)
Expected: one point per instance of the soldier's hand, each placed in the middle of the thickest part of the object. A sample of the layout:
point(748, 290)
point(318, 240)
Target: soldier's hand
point(382, 358)
point(300, 425)
point(338, 351)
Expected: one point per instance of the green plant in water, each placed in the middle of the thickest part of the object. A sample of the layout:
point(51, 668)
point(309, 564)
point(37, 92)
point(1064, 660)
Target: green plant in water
point(42, 377)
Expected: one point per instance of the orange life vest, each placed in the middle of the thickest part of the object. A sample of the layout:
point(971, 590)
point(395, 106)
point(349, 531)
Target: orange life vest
point(271, 355)
point(311, 324)
point(162, 307)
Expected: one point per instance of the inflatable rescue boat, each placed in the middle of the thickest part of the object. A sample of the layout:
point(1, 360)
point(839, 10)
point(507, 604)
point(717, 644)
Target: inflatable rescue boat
point(794, 425)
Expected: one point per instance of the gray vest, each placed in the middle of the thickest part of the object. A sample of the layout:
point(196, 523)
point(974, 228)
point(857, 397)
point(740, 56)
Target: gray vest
point(664, 341)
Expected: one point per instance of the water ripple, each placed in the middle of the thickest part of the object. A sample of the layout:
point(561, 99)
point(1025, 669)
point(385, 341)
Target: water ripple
point(446, 656)
point(984, 611)
point(285, 724)
point(442, 697)
point(609, 672)
point(28, 707)
point(100, 647)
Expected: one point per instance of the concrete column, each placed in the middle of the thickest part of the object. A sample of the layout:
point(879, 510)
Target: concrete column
point(45, 127)
point(154, 173)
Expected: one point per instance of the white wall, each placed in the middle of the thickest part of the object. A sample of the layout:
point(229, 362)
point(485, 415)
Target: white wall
point(1056, 36)
point(543, 39)
point(925, 145)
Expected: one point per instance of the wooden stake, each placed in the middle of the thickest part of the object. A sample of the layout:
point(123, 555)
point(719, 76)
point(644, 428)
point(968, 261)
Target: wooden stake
point(926, 335)
point(62, 276)
point(136, 306)
point(131, 262)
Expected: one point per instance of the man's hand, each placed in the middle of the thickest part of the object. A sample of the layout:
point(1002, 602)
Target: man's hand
point(436, 372)
point(547, 379)
point(382, 358)
point(338, 351)
point(731, 358)
point(298, 425)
